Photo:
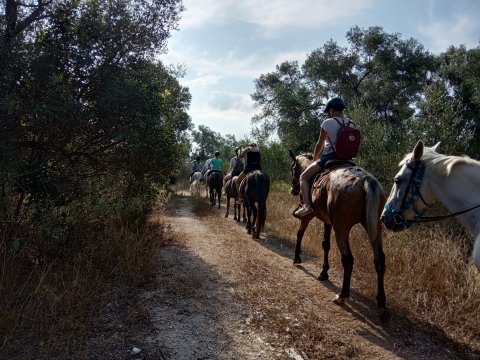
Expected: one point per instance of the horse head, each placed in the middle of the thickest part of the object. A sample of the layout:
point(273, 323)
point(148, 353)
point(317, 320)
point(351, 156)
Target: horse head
point(299, 164)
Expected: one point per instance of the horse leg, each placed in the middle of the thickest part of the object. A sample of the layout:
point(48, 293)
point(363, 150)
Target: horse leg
point(219, 193)
point(379, 261)
point(327, 231)
point(341, 236)
point(476, 252)
point(254, 221)
point(249, 214)
point(301, 231)
point(228, 206)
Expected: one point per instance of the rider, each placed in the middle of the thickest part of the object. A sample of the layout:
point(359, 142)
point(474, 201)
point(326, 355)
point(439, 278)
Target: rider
point(233, 165)
point(254, 159)
point(324, 147)
point(215, 164)
point(206, 166)
point(196, 166)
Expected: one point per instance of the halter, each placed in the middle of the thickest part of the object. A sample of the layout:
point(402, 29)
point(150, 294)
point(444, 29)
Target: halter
point(412, 193)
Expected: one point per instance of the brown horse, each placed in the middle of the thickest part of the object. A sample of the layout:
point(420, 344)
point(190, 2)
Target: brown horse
point(255, 188)
point(347, 195)
point(231, 193)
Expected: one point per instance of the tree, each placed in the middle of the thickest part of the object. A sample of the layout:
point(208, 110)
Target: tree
point(207, 140)
point(450, 110)
point(85, 108)
point(378, 71)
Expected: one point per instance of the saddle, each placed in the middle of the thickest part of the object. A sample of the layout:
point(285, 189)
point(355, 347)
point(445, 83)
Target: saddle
point(320, 179)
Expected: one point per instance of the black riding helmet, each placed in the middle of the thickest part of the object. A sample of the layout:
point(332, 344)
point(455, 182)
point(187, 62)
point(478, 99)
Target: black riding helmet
point(335, 103)
point(217, 153)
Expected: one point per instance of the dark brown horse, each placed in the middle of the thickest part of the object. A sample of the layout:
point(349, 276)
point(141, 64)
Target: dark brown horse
point(215, 184)
point(231, 193)
point(255, 187)
point(346, 196)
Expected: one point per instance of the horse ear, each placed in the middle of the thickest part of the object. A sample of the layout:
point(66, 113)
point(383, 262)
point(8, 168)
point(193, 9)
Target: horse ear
point(418, 150)
point(436, 147)
point(291, 155)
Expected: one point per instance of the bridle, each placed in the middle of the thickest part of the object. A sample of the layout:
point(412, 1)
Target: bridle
point(412, 193)
point(295, 190)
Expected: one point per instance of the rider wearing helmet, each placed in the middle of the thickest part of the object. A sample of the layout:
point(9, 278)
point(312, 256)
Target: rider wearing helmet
point(323, 151)
point(237, 165)
point(215, 164)
point(196, 166)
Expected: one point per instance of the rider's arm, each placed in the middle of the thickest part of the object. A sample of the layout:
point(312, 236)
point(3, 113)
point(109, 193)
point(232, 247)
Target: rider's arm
point(244, 152)
point(320, 143)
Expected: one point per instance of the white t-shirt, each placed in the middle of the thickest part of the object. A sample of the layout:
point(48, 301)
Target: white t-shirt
point(207, 164)
point(331, 126)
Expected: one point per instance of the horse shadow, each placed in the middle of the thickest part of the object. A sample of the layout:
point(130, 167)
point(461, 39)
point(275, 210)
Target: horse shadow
point(380, 326)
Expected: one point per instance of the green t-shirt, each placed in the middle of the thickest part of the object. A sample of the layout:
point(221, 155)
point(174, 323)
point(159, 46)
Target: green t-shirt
point(216, 164)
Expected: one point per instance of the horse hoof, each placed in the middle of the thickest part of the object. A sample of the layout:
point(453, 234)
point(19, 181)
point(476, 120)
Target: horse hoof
point(384, 316)
point(323, 277)
point(339, 300)
point(249, 231)
point(297, 261)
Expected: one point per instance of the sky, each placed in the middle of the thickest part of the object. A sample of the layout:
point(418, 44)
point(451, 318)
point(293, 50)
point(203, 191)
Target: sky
point(224, 45)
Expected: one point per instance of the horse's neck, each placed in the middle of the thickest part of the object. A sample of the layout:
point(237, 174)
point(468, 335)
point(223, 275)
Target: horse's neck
point(459, 191)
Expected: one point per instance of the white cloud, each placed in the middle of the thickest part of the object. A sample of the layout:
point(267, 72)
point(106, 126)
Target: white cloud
point(234, 121)
point(229, 101)
point(271, 13)
point(463, 29)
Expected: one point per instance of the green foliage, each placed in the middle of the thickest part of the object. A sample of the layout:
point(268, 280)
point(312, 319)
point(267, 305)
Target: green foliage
point(276, 162)
point(450, 110)
point(395, 90)
point(87, 114)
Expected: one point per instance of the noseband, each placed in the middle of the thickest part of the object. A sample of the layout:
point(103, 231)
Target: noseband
point(412, 193)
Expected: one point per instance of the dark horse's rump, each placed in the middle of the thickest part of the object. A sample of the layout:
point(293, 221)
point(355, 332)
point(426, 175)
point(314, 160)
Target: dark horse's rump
point(215, 184)
point(257, 187)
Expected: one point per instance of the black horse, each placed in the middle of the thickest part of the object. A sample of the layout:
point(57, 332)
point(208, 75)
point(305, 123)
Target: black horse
point(215, 184)
point(256, 187)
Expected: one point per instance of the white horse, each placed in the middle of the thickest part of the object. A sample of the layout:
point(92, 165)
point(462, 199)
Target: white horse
point(195, 185)
point(427, 176)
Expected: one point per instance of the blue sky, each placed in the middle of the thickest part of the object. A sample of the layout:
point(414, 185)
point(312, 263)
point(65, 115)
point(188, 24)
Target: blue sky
point(225, 45)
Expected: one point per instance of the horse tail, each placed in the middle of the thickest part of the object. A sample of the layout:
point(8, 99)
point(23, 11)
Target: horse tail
point(374, 198)
point(262, 187)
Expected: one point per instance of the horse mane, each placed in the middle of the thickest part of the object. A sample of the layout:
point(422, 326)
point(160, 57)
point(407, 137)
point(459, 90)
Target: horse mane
point(305, 160)
point(441, 164)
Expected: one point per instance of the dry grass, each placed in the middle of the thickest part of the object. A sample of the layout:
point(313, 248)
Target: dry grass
point(429, 276)
point(49, 306)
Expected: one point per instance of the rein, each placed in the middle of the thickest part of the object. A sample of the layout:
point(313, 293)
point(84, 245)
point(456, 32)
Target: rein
point(441, 217)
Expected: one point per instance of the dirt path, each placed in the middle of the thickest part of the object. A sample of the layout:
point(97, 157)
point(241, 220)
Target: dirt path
point(222, 295)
